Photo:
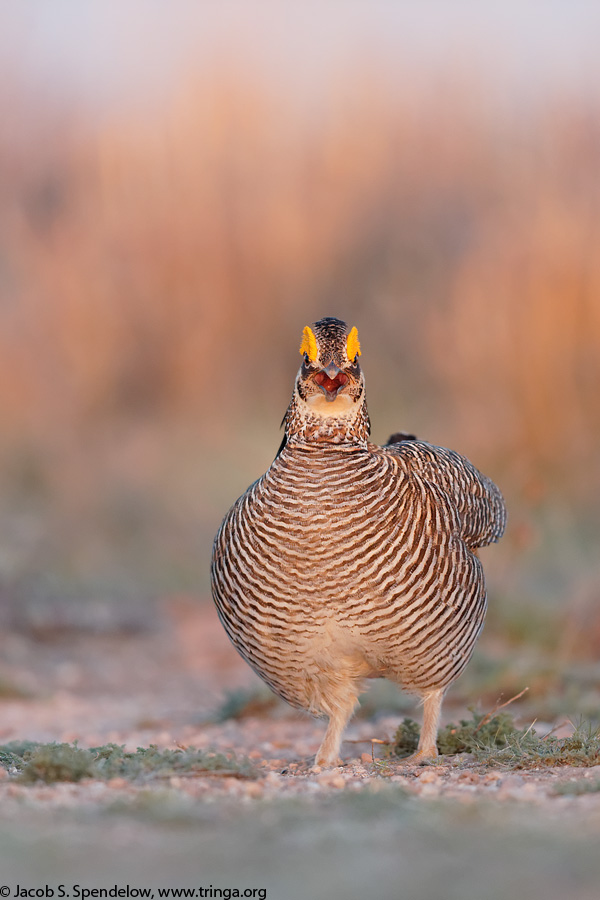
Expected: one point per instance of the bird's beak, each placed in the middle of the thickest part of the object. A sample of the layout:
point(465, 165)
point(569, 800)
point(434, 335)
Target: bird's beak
point(331, 380)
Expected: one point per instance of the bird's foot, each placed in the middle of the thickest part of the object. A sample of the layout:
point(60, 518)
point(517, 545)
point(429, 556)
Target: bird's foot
point(420, 758)
point(327, 761)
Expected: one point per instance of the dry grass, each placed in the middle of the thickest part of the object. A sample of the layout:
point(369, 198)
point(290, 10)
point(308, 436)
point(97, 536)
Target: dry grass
point(137, 257)
point(155, 275)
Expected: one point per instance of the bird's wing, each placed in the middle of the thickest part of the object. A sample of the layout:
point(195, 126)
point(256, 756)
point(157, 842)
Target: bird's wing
point(476, 499)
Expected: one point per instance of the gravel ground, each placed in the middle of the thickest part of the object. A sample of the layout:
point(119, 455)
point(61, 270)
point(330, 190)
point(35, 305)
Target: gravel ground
point(162, 687)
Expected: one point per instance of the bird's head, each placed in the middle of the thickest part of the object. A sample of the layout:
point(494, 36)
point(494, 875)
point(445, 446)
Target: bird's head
point(330, 386)
point(330, 371)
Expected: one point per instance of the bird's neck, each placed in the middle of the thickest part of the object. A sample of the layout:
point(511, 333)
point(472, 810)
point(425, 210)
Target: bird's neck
point(327, 423)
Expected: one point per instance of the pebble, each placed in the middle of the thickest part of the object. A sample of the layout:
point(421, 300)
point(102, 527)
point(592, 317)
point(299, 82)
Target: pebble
point(512, 781)
point(428, 776)
point(332, 779)
point(273, 779)
point(430, 790)
point(469, 778)
point(14, 790)
point(254, 789)
point(117, 783)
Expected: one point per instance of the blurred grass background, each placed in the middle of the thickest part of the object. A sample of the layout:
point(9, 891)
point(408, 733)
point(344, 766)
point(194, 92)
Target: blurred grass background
point(159, 259)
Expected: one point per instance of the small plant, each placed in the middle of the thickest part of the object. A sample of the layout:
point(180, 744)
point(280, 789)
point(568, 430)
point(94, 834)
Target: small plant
point(405, 739)
point(68, 762)
point(494, 740)
point(528, 750)
point(466, 737)
point(13, 754)
point(56, 762)
point(478, 731)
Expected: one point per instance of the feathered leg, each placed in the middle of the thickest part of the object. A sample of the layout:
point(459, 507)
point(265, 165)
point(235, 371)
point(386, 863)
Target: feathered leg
point(329, 751)
point(427, 747)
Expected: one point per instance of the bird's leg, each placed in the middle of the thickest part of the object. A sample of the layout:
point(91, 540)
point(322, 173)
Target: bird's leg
point(334, 691)
point(427, 748)
point(329, 751)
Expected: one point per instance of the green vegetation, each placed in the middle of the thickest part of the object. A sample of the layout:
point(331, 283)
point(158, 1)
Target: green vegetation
point(468, 736)
point(68, 762)
point(497, 741)
point(528, 750)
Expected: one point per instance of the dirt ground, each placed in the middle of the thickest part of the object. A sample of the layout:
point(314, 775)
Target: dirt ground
point(162, 686)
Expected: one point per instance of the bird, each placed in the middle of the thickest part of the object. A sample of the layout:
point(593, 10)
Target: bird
point(348, 561)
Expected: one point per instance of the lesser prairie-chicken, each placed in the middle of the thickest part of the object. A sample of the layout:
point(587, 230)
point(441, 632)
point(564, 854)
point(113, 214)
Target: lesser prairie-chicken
point(349, 561)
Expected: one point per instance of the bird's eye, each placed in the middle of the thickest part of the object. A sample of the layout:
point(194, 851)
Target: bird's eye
point(306, 359)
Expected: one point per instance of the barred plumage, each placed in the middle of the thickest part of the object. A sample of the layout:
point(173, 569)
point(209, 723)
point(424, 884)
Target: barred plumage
point(348, 561)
